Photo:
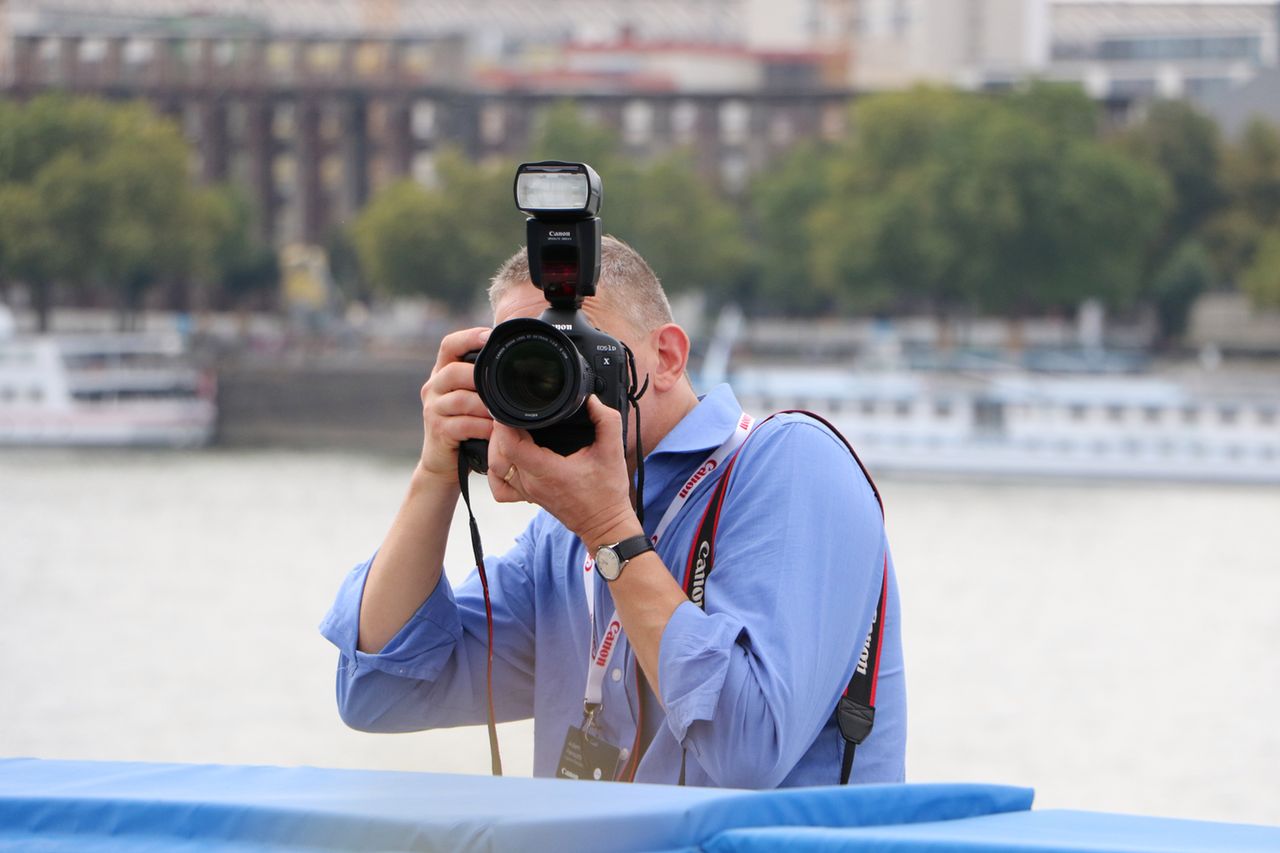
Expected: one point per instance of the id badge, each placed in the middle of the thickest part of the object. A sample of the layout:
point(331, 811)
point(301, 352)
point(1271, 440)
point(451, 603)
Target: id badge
point(587, 757)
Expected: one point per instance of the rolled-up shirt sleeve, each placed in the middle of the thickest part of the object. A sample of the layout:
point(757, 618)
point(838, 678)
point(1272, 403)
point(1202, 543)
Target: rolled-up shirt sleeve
point(800, 549)
point(432, 672)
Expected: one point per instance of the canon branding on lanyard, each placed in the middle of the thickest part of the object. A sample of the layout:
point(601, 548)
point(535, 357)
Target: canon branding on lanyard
point(580, 743)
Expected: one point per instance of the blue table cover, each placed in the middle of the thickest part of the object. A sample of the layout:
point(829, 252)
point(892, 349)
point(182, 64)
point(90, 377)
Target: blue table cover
point(88, 806)
point(1041, 831)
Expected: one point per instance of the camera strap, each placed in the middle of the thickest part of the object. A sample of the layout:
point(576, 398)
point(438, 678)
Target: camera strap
point(855, 710)
point(603, 651)
point(464, 472)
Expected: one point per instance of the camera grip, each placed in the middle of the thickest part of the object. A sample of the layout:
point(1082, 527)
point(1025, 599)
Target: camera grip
point(475, 450)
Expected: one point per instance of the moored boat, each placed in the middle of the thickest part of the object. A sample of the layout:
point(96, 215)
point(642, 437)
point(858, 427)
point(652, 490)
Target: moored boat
point(104, 390)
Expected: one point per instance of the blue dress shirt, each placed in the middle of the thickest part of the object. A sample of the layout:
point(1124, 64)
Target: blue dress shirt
point(748, 685)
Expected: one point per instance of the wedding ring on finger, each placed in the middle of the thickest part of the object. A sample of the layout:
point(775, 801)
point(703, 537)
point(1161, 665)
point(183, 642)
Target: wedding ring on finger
point(511, 473)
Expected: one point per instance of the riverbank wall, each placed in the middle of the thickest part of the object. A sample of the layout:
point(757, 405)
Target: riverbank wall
point(367, 407)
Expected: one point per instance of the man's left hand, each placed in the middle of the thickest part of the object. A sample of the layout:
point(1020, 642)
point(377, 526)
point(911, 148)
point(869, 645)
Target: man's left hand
point(588, 491)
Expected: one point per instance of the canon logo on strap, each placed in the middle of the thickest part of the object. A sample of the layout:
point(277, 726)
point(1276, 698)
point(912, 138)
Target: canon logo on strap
point(699, 572)
point(707, 468)
point(606, 645)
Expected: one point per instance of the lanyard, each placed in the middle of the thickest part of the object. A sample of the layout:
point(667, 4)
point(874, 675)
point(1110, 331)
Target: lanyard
point(603, 653)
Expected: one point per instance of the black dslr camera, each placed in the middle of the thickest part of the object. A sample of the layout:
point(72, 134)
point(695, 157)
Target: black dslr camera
point(537, 374)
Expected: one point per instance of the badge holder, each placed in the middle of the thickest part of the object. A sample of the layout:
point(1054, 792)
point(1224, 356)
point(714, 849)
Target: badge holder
point(585, 755)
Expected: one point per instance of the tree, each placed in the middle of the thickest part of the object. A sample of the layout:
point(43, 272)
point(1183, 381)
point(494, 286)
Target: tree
point(443, 242)
point(159, 225)
point(245, 266)
point(1252, 172)
point(96, 193)
point(1251, 182)
point(666, 210)
point(1262, 279)
point(781, 201)
point(965, 200)
point(675, 219)
point(1185, 275)
point(1186, 146)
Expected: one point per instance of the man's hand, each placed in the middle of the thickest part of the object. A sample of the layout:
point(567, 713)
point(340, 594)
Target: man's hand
point(451, 409)
point(589, 491)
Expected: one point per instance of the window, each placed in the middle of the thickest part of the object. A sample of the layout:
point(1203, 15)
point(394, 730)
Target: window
point(637, 122)
point(684, 122)
point(324, 57)
point(493, 120)
point(423, 119)
point(93, 50)
point(735, 120)
point(139, 51)
point(1166, 48)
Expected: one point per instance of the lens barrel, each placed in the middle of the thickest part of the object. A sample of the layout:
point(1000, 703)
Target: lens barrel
point(530, 375)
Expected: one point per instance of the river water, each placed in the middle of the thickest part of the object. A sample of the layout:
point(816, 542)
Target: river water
point(1113, 645)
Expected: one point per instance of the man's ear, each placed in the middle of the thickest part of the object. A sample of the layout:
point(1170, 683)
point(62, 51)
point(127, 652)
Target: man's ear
point(672, 346)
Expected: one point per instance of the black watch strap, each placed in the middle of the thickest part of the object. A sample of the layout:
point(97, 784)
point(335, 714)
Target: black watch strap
point(632, 547)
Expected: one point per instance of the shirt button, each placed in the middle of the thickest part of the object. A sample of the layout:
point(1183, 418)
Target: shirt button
point(616, 675)
point(624, 753)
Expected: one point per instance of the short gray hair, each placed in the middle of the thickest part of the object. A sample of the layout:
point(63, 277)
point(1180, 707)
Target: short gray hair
point(627, 284)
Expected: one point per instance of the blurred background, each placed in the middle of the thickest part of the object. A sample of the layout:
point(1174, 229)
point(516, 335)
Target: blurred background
point(1025, 253)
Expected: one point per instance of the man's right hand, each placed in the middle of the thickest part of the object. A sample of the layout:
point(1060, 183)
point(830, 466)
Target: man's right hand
point(451, 409)
point(407, 567)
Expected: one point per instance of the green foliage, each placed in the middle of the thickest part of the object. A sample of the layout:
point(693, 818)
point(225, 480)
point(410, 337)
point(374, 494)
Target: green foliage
point(1250, 181)
point(97, 193)
point(1188, 273)
point(781, 199)
point(960, 199)
point(442, 242)
point(1186, 146)
point(562, 132)
point(1262, 279)
point(1252, 173)
point(1062, 108)
point(446, 241)
point(245, 265)
point(669, 213)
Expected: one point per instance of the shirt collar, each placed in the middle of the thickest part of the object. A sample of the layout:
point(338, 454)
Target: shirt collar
point(706, 426)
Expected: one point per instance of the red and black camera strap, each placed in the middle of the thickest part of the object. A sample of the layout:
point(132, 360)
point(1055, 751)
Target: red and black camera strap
point(855, 711)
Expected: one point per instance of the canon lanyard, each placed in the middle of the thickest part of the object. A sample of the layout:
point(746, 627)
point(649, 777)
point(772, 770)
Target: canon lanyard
point(598, 663)
point(856, 709)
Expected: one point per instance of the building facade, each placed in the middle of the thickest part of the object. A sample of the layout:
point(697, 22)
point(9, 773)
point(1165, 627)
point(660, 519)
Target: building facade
point(315, 120)
point(1119, 50)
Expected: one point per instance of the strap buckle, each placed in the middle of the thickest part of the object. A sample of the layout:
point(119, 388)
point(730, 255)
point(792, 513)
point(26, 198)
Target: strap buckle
point(854, 719)
point(589, 712)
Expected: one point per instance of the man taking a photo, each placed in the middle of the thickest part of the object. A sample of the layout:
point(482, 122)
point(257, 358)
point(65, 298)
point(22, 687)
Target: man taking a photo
point(737, 687)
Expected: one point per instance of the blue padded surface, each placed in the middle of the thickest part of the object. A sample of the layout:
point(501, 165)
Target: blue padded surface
point(1039, 831)
point(66, 805)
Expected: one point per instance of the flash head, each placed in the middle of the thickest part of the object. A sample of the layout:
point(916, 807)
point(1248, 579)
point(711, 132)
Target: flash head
point(562, 231)
point(554, 189)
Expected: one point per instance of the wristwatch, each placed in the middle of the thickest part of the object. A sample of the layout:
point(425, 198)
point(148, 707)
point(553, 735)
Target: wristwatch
point(611, 559)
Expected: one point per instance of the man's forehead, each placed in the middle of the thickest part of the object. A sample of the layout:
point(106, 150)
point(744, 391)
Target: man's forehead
point(524, 300)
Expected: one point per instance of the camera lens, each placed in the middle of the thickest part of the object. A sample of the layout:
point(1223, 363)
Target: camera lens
point(531, 375)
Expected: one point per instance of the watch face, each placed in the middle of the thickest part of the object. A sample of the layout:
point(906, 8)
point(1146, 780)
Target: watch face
point(608, 564)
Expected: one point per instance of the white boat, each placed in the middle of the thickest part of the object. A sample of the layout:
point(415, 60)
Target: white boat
point(1033, 424)
point(106, 390)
